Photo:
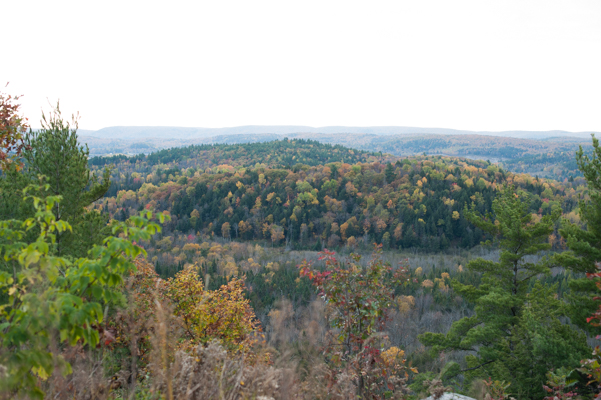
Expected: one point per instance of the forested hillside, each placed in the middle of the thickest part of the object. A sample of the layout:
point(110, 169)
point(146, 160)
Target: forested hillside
point(559, 166)
point(291, 270)
point(404, 140)
point(279, 153)
point(414, 202)
point(551, 157)
point(494, 147)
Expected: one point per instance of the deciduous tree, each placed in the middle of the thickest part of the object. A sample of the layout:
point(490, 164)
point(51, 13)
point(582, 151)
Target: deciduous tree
point(358, 298)
point(50, 298)
point(13, 127)
point(224, 314)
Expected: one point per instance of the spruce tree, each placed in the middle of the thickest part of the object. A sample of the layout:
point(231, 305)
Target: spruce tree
point(494, 335)
point(54, 153)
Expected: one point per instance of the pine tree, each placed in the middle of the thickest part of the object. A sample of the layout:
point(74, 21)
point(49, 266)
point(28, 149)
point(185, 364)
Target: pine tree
point(54, 153)
point(491, 334)
point(543, 343)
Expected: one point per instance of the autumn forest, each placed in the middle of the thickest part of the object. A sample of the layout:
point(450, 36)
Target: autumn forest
point(295, 269)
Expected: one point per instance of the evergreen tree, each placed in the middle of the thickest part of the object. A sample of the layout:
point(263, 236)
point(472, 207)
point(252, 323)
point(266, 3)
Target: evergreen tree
point(505, 314)
point(389, 173)
point(584, 244)
point(543, 343)
point(54, 153)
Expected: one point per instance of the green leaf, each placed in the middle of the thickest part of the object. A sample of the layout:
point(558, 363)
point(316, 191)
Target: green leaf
point(97, 292)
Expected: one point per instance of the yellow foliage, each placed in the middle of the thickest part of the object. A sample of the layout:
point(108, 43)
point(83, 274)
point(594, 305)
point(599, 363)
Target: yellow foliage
point(405, 303)
point(272, 266)
point(448, 202)
point(191, 247)
point(393, 356)
point(223, 314)
point(398, 231)
point(230, 269)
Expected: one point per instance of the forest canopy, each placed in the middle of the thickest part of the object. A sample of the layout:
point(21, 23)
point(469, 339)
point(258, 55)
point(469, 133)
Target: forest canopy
point(414, 202)
point(293, 269)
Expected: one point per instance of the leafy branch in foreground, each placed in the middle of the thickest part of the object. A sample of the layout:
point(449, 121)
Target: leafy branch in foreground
point(54, 302)
point(358, 298)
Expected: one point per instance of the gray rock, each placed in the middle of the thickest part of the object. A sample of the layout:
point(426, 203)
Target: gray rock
point(451, 396)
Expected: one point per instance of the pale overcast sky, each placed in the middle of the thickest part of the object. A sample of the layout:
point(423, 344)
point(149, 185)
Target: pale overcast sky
point(479, 65)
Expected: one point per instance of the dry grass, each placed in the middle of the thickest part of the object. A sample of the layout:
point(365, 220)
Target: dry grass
point(296, 369)
point(289, 364)
point(87, 382)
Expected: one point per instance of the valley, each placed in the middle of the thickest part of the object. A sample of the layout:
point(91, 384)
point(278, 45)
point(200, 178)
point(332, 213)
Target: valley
point(282, 249)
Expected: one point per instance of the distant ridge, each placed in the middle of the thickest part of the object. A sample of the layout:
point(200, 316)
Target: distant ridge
point(164, 132)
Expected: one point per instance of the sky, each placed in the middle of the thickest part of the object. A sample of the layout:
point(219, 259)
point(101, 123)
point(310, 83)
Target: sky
point(476, 65)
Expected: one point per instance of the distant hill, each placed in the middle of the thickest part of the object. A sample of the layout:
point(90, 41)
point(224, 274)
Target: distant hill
point(518, 150)
point(473, 146)
point(272, 154)
point(166, 132)
point(551, 157)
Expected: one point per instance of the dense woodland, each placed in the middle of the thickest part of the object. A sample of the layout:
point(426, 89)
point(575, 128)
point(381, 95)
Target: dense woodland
point(291, 269)
point(560, 166)
point(409, 203)
point(484, 146)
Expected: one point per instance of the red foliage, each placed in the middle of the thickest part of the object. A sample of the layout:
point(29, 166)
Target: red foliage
point(358, 298)
point(12, 128)
point(597, 315)
point(592, 366)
